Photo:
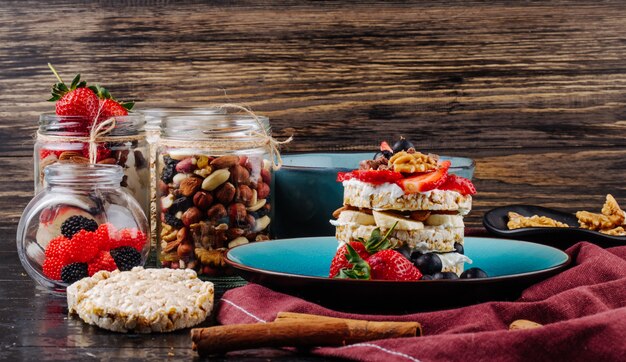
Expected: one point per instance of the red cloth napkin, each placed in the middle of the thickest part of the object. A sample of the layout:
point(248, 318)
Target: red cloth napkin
point(583, 310)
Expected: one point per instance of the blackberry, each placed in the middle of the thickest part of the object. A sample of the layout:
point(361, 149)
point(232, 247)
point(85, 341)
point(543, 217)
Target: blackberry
point(169, 169)
point(126, 257)
point(77, 223)
point(181, 204)
point(172, 220)
point(74, 272)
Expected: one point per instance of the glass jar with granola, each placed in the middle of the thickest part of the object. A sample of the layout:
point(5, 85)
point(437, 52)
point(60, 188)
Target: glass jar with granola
point(214, 187)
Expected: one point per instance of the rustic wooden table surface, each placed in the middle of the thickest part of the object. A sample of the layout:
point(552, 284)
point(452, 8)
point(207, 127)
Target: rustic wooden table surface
point(534, 92)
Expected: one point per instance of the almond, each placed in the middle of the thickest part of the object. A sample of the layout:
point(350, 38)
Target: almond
point(226, 161)
point(190, 186)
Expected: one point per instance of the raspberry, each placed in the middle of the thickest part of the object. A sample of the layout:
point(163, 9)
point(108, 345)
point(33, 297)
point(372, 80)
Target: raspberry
point(77, 223)
point(105, 235)
point(102, 261)
point(126, 257)
point(130, 237)
point(55, 247)
point(73, 272)
point(82, 247)
point(52, 268)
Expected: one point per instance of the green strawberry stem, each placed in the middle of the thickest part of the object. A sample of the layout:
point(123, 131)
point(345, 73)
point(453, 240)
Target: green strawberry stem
point(376, 242)
point(360, 268)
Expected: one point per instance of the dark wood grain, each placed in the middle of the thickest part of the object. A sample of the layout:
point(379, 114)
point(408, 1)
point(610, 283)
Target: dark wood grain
point(535, 92)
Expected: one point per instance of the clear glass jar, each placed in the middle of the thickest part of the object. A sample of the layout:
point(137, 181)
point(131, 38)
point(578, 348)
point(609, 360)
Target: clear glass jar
point(83, 221)
point(64, 139)
point(154, 117)
point(214, 188)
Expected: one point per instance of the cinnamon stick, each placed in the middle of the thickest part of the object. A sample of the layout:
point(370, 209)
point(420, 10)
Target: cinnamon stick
point(222, 339)
point(360, 330)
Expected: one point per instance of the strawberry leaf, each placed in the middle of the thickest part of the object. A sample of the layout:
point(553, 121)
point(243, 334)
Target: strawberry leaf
point(360, 268)
point(128, 105)
point(378, 242)
point(75, 81)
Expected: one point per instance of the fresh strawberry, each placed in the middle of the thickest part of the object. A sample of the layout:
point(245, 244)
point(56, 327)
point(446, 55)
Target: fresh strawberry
point(75, 100)
point(340, 261)
point(51, 268)
point(376, 177)
point(459, 184)
point(109, 107)
point(426, 181)
point(391, 265)
point(102, 261)
point(81, 248)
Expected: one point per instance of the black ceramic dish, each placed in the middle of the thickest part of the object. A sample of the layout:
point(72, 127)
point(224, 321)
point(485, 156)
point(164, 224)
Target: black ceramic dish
point(496, 219)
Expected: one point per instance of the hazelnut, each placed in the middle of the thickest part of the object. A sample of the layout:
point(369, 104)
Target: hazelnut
point(184, 250)
point(216, 212)
point(225, 193)
point(266, 176)
point(239, 174)
point(202, 200)
point(191, 216)
point(245, 194)
point(263, 190)
point(237, 213)
point(190, 185)
point(234, 233)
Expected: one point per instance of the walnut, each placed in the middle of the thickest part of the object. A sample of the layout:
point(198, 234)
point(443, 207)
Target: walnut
point(592, 221)
point(618, 231)
point(213, 258)
point(517, 221)
point(412, 162)
point(612, 210)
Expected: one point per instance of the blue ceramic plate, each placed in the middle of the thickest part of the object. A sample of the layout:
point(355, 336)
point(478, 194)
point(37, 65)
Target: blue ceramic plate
point(300, 266)
point(307, 191)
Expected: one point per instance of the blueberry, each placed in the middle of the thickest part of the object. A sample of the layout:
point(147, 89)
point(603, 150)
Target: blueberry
point(458, 247)
point(427, 277)
point(474, 273)
point(429, 263)
point(415, 255)
point(445, 275)
point(402, 145)
point(406, 252)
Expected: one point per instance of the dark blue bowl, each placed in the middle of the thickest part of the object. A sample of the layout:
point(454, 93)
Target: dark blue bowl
point(307, 193)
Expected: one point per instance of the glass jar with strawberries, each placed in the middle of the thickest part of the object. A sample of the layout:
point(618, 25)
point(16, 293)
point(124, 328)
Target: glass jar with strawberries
point(90, 126)
point(82, 222)
point(214, 188)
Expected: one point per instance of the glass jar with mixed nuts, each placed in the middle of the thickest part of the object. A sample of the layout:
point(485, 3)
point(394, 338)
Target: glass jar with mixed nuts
point(214, 187)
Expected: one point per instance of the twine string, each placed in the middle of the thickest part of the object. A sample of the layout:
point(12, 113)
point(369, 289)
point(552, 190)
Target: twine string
point(270, 142)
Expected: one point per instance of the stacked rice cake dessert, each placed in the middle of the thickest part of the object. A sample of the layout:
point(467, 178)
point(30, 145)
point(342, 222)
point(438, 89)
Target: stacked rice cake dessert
point(415, 193)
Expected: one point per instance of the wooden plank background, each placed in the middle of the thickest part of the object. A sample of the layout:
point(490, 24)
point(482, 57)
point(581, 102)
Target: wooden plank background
point(535, 92)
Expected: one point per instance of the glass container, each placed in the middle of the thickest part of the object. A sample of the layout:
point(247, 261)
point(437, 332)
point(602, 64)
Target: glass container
point(82, 222)
point(214, 189)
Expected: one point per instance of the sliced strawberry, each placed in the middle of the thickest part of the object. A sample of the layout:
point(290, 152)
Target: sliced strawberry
point(458, 184)
point(375, 177)
point(384, 146)
point(426, 181)
point(391, 265)
point(340, 261)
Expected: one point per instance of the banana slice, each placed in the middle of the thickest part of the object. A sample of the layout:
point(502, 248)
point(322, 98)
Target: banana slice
point(357, 217)
point(386, 221)
point(453, 221)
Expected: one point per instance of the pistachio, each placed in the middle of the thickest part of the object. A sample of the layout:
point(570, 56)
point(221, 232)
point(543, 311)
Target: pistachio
point(215, 179)
point(225, 193)
point(185, 165)
point(225, 161)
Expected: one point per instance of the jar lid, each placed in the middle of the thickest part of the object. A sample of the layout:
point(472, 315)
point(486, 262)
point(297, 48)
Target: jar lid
point(155, 115)
point(78, 126)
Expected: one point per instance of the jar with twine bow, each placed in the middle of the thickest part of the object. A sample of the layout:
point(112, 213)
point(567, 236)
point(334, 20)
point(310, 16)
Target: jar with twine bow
point(118, 140)
point(215, 181)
